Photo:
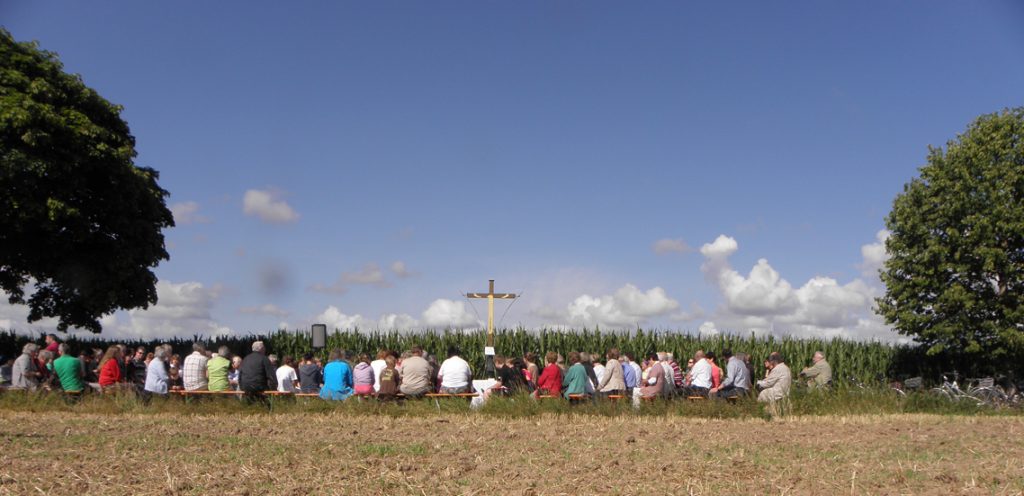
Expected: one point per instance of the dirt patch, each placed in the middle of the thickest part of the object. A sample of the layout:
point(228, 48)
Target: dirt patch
point(53, 453)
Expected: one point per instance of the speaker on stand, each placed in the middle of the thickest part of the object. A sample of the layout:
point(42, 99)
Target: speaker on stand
point(319, 336)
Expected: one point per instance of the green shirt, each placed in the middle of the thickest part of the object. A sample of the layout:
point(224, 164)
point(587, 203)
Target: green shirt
point(69, 371)
point(575, 381)
point(217, 371)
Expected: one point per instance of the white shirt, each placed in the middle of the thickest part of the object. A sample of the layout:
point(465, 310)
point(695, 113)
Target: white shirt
point(599, 372)
point(454, 373)
point(377, 366)
point(286, 379)
point(701, 374)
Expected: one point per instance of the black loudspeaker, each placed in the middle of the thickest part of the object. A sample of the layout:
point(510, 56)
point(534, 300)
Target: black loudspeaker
point(319, 336)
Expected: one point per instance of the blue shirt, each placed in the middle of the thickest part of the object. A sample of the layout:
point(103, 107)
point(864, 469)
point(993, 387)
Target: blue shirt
point(736, 374)
point(628, 375)
point(337, 381)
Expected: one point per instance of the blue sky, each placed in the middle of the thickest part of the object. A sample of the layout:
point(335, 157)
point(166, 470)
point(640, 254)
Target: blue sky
point(619, 164)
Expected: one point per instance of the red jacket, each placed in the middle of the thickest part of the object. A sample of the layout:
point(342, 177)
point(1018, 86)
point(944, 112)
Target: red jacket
point(550, 381)
point(110, 373)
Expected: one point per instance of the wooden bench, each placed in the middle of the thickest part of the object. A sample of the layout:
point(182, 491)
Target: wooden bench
point(696, 398)
point(445, 395)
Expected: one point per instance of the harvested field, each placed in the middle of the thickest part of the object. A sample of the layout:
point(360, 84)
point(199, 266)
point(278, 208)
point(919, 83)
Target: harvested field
point(337, 453)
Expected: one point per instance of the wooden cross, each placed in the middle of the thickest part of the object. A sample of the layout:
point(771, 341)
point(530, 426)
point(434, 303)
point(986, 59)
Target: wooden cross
point(491, 295)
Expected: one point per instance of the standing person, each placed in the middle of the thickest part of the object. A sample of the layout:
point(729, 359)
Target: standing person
point(68, 370)
point(613, 380)
point(110, 368)
point(378, 366)
point(415, 374)
point(287, 379)
point(217, 369)
point(818, 375)
point(310, 375)
point(390, 380)
point(157, 378)
point(775, 386)
point(337, 378)
point(363, 376)
point(193, 372)
point(455, 376)
point(550, 380)
point(575, 381)
point(257, 374)
point(737, 380)
point(25, 374)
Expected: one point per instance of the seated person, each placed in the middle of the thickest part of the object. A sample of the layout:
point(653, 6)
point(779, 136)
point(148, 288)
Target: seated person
point(416, 376)
point(550, 380)
point(775, 386)
point(654, 384)
point(337, 378)
point(455, 376)
point(576, 380)
point(818, 375)
point(390, 380)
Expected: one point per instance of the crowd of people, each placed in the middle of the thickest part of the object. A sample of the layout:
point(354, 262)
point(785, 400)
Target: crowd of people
point(579, 377)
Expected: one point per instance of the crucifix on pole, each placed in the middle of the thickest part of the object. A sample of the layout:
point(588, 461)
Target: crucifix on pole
point(491, 295)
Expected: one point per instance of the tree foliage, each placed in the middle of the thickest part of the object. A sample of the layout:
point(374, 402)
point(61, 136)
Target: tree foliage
point(955, 276)
point(80, 223)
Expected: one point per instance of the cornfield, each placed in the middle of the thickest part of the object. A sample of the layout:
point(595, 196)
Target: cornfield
point(869, 362)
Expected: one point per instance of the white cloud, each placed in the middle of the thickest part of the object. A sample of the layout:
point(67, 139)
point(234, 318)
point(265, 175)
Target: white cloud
point(397, 322)
point(400, 270)
point(186, 213)
point(370, 275)
point(335, 319)
point(447, 313)
point(722, 247)
point(763, 301)
point(874, 255)
point(627, 306)
point(708, 329)
point(268, 309)
point(183, 309)
point(268, 206)
point(665, 246)
point(762, 292)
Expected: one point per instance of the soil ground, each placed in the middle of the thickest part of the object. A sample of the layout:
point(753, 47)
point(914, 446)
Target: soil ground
point(337, 453)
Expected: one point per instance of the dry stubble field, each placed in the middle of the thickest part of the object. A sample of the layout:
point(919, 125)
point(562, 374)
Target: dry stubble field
point(330, 453)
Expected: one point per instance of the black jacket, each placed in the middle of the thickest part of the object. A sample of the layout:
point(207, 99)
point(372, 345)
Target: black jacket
point(257, 373)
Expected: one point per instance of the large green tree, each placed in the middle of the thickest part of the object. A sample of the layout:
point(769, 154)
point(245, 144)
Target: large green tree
point(955, 276)
point(80, 223)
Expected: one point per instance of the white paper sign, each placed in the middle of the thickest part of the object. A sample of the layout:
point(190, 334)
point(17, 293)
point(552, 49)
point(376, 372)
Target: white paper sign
point(489, 350)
